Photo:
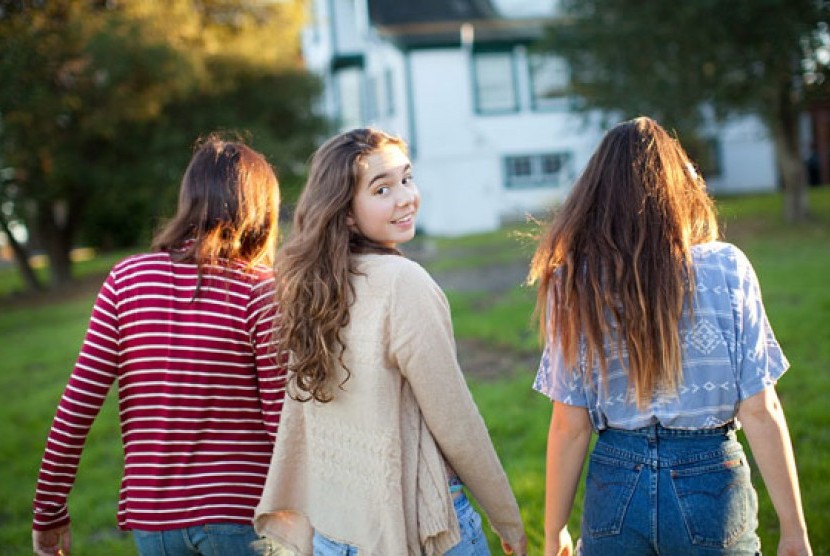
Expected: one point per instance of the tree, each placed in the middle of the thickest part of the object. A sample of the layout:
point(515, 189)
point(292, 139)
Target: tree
point(106, 98)
point(681, 61)
point(7, 221)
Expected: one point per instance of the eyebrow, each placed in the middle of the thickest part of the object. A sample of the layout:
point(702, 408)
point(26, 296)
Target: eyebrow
point(407, 167)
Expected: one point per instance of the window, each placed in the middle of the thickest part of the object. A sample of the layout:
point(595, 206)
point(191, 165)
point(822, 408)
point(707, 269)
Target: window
point(519, 167)
point(379, 96)
point(706, 154)
point(373, 96)
point(537, 170)
point(549, 80)
point(390, 92)
point(493, 79)
point(350, 91)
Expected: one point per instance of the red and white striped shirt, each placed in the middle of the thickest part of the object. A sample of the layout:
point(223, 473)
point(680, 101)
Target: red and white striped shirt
point(200, 393)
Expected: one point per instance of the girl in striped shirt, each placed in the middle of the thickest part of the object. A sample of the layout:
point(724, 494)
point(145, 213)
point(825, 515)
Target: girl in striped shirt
point(186, 332)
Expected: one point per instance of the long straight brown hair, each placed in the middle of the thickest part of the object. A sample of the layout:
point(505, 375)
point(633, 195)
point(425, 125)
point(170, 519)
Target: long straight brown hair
point(614, 268)
point(315, 263)
point(228, 210)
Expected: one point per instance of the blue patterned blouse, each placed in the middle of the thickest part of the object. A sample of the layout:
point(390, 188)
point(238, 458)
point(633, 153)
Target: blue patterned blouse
point(729, 354)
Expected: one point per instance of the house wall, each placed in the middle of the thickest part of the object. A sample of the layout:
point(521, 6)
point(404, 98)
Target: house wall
point(747, 158)
point(459, 154)
point(349, 19)
point(426, 95)
point(316, 40)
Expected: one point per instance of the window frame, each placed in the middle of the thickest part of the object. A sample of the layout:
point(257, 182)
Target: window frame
point(537, 177)
point(478, 53)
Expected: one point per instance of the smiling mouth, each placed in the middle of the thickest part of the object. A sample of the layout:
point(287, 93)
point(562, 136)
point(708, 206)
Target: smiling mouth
point(404, 219)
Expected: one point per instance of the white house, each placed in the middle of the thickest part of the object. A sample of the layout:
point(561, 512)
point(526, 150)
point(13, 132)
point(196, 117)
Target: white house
point(486, 118)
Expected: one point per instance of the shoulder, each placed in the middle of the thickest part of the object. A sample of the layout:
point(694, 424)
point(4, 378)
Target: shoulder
point(258, 275)
point(394, 269)
point(139, 261)
point(720, 253)
point(403, 283)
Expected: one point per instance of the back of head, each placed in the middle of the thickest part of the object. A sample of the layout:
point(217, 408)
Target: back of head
point(315, 263)
point(228, 207)
point(617, 254)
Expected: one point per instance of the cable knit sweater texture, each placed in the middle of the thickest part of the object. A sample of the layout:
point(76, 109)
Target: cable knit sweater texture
point(370, 467)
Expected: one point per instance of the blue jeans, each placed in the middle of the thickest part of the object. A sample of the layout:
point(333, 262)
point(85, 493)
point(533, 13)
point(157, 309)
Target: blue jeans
point(212, 539)
point(661, 491)
point(473, 542)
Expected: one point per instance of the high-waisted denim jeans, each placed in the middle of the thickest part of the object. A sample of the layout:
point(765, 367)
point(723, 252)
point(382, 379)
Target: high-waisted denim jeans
point(473, 542)
point(664, 491)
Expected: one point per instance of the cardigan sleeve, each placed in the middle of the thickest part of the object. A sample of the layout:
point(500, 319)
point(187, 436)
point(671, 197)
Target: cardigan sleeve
point(422, 345)
point(93, 375)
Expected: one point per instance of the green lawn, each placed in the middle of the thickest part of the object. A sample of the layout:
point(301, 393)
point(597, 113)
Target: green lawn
point(39, 343)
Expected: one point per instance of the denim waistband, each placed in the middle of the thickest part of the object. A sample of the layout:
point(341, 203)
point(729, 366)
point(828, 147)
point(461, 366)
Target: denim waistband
point(658, 446)
point(659, 431)
point(455, 484)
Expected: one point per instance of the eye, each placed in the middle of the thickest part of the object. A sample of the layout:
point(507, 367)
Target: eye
point(382, 190)
point(408, 179)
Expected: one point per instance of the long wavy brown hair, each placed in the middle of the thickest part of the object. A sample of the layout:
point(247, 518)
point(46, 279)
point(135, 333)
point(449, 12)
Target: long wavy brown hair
point(315, 263)
point(228, 209)
point(614, 268)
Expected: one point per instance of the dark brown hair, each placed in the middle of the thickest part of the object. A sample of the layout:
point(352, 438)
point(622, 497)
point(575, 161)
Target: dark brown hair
point(228, 207)
point(315, 263)
point(615, 263)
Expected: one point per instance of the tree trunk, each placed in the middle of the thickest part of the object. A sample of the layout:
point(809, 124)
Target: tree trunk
point(57, 241)
point(796, 200)
point(21, 258)
point(793, 174)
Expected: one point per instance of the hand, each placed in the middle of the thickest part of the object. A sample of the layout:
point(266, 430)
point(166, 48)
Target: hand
point(54, 542)
point(794, 546)
point(562, 545)
point(520, 550)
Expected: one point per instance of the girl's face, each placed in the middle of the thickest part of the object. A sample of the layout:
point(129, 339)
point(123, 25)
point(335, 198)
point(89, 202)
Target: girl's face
point(386, 199)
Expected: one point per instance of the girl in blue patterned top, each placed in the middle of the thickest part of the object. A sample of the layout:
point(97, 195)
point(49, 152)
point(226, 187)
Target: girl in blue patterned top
point(657, 339)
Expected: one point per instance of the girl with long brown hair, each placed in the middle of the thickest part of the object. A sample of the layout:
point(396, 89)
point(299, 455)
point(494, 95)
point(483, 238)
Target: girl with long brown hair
point(380, 431)
point(656, 338)
point(185, 331)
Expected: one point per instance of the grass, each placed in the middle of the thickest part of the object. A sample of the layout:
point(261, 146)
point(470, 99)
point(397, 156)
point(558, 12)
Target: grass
point(40, 342)
point(86, 264)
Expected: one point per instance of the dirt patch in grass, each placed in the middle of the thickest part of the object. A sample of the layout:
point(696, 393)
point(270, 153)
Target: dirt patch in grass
point(482, 361)
point(78, 288)
point(479, 359)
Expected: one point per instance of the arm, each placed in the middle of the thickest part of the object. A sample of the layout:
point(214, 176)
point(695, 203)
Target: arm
point(270, 368)
point(760, 363)
point(568, 439)
point(94, 373)
point(423, 348)
point(766, 430)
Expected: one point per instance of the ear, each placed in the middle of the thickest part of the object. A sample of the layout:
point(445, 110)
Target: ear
point(350, 219)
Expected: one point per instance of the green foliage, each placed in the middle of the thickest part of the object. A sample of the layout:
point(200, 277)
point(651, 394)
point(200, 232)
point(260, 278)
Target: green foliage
point(691, 65)
point(666, 59)
point(103, 101)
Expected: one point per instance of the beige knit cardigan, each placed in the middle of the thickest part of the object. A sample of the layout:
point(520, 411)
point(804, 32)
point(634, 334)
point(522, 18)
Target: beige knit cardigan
point(369, 467)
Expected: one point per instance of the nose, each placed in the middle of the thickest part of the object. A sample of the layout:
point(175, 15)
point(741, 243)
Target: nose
point(405, 197)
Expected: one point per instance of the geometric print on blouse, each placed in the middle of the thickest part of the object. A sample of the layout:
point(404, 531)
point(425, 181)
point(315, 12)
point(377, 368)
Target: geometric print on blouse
point(729, 354)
